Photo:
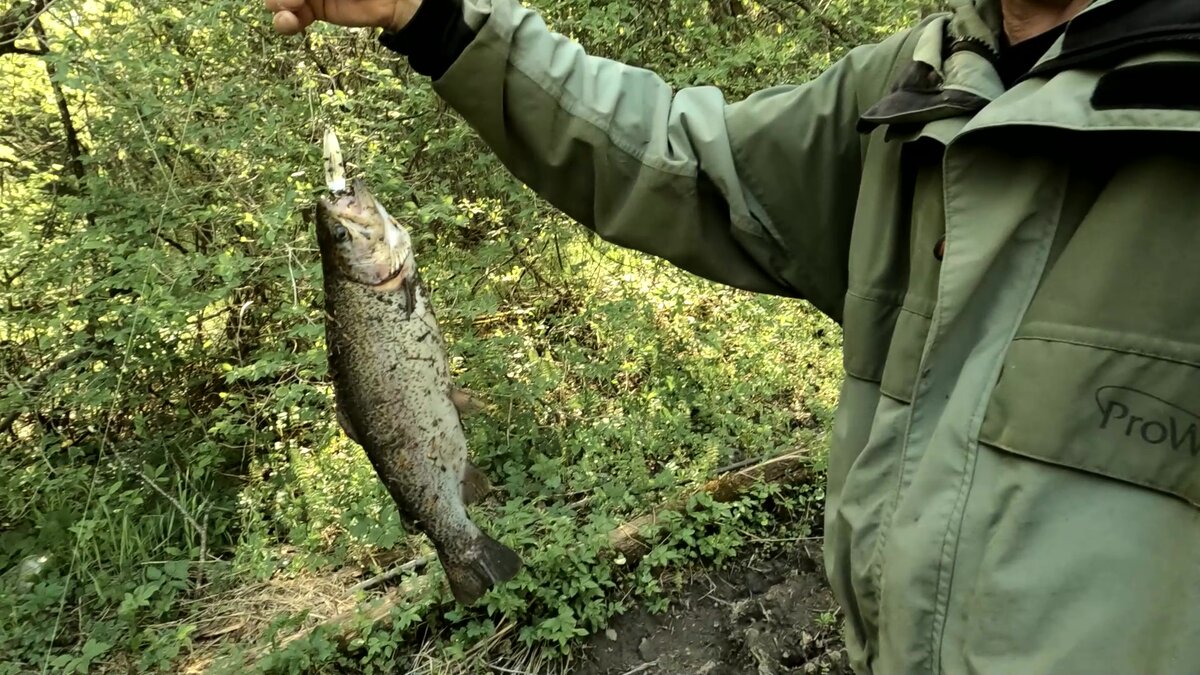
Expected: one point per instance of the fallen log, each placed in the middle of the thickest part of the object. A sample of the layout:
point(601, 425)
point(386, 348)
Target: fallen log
point(789, 469)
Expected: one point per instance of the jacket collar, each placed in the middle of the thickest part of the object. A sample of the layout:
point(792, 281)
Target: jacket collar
point(952, 72)
point(1113, 31)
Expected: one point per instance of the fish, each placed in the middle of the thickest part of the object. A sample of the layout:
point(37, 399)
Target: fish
point(393, 392)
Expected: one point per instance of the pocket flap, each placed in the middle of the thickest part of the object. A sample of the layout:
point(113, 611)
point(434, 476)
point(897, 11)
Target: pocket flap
point(1128, 416)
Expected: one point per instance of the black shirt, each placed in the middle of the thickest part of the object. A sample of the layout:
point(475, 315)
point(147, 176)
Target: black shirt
point(1016, 60)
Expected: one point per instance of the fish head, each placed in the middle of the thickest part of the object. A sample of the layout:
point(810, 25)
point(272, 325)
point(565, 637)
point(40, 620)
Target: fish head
point(361, 242)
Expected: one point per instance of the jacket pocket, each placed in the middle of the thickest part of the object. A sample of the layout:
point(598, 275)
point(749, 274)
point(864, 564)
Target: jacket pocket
point(1115, 410)
point(883, 343)
point(904, 355)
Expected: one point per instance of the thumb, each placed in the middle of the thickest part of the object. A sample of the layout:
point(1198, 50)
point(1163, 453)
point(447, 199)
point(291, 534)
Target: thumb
point(286, 23)
point(291, 16)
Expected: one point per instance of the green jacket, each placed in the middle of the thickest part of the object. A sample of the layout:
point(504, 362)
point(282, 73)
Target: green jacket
point(1014, 477)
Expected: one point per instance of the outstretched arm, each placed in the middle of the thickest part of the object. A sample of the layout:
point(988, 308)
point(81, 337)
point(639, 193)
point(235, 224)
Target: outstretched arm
point(758, 194)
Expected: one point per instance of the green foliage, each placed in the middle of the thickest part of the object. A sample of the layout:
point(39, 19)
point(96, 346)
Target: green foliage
point(169, 433)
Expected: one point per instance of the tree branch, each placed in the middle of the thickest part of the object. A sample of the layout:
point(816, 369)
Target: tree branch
point(793, 468)
point(74, 147)
point(16, 21)
point(410, 566)
point(34, 385)
point(829, 25)
point(8, 48)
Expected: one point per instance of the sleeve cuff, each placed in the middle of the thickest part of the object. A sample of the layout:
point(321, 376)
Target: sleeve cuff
point(433, 39)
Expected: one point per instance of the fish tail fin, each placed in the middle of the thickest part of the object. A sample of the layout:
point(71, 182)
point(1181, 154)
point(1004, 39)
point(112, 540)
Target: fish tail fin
point(475, 484)
point(489, 564)
point(466, 402)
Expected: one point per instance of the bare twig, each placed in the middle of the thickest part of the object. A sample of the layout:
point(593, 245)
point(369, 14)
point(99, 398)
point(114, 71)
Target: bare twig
point(644, 666)
point(829, 25)
point(410, 566)
point(345, 624)
point(721, 471)
point(737, 465)
point(502, 669)
point(579, 503)
point(790, 468)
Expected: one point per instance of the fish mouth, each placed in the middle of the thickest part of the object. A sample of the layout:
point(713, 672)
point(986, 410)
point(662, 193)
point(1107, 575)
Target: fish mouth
point(392, 281)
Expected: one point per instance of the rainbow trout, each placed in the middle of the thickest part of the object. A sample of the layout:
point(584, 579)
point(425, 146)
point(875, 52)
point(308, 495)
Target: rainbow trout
point(392, 384)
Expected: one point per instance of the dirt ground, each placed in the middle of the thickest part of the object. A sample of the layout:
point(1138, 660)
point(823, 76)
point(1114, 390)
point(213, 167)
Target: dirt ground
point(762, 614)
point(758, 617)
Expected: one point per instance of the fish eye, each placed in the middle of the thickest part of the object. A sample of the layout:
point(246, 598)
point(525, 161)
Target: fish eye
point(341, 234)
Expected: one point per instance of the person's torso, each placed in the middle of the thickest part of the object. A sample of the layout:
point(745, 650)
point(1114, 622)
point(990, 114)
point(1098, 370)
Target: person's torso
point(1020, 425)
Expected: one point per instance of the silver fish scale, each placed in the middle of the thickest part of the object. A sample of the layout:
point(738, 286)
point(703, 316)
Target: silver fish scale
point(392, 381)
point(394, 386)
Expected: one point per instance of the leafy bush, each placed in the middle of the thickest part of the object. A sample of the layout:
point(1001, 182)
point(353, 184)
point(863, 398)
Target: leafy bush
point(167, 421)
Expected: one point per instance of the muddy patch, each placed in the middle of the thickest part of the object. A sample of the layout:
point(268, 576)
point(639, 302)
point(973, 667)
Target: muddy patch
point(759, 616)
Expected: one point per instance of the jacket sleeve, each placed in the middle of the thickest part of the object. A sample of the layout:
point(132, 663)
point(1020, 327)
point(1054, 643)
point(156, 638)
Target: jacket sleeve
point(758, 194)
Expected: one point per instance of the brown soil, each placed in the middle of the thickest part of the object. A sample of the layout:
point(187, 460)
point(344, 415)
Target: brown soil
point(771, 616)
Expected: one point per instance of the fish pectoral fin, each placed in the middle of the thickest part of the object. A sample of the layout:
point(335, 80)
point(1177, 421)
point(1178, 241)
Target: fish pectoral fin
point(475, 484)
point(344, 423)
point(410, 293)
point(466, 402)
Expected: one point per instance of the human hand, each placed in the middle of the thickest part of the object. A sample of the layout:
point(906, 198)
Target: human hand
point(293, 16)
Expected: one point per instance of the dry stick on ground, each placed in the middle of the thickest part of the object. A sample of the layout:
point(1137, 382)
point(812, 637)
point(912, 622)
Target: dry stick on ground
point(346, 624)
point(420, 563)
point(644, 666)
point(790, 469)
point(577, 504)
point(378, 579)
point(587, 496)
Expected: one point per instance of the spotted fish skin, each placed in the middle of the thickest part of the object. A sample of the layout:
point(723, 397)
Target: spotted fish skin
point(393, 389)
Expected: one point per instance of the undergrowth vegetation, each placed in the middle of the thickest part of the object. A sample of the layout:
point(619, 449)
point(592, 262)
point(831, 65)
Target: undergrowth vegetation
point(174, 491)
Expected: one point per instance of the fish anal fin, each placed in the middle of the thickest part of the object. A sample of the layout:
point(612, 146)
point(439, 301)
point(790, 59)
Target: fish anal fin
point(344, 423)
point(475, 484)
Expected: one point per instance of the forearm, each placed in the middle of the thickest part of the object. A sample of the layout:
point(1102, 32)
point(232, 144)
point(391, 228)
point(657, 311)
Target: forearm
point(759, 194)
point(612, 146)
